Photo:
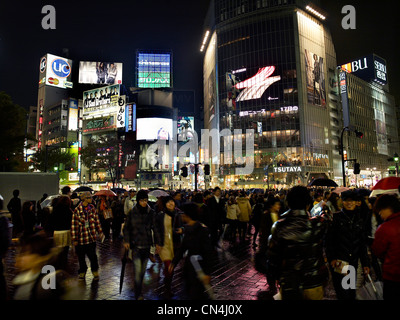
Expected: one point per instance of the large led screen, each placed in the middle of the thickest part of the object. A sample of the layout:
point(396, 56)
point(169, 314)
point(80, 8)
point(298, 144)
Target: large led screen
point(154, 129)
point(100, 72)
point(154, 70)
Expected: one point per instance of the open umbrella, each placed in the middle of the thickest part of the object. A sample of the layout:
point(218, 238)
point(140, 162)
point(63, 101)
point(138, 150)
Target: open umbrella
point(83, 189)
point(118, 190)
point(322, 182)
point(107, 193)
point(158, 193)
point(339, 190)
point(386, 185)
point(47, 202)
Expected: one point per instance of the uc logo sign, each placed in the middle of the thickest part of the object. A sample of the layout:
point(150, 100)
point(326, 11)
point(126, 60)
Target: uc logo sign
point(61, 68)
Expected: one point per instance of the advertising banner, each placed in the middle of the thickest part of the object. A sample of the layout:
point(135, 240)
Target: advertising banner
point(130, 117)
point(101, 100)
point(99, 124)
point(55, 71)
point(73, 115)
point(154, 70)
point(315, 77)
point(185, 123)
point(154, 129)
point(100, 72)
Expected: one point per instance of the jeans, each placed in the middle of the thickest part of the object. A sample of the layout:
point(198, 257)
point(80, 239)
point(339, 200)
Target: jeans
point(88, 250)
point(140, 259)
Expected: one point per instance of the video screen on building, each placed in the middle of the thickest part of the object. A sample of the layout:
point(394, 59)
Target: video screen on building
point(154, 70)
point(185, 128)
point(153, 129)
point(100, 72)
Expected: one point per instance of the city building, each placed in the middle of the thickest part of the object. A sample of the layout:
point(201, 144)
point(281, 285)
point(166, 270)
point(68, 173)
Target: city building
point(270, 66)
point(368, 107)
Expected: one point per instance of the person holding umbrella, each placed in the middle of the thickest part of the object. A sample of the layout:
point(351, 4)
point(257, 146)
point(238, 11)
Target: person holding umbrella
point(197, 241)
point(138, 230)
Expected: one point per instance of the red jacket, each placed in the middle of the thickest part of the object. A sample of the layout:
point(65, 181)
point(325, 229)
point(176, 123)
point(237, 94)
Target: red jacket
point(387, 246)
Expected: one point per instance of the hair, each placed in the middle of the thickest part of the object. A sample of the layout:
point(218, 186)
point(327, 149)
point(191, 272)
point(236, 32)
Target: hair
point(26, 206)
point(191, 210)
point(66, 190)
point(298, 198)
point(198, 198)
point(16, 193)
point(64, 201)
point(333, 198)
point(386, 201)
point(271, 201)
point(38, 244)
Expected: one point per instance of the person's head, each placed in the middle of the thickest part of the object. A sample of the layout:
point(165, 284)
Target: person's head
point(66, 191)
point(318, 196)
point(217, 192)
point(36, 251)
point(86, 197)
point(169, 203)
point(387, 204)
point(232, 200)
point(45, 195)
point(349, 200)
point(298, 198)
point(132, 193)
point(335, 200)
point(190, 212)
point(142, 198)
point(64, 201)
point(178, 196)
point(198, 198)
point(16, 193)
point(273, 204)
point(27, 206)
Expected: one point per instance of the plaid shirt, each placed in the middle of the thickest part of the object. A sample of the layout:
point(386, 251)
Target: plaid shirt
point(85, 222)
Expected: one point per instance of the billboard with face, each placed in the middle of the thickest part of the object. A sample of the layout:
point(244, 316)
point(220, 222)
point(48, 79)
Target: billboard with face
point(55, 71)
point(101, 100)
point(100, 72)
point(154, 70)
point(315, 77)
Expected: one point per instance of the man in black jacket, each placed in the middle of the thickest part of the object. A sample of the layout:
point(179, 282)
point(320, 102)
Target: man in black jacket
point(295, 250)
point(216, 215)
point(346, 244)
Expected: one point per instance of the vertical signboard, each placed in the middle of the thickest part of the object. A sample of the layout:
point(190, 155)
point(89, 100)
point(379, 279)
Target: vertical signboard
point(345, 97)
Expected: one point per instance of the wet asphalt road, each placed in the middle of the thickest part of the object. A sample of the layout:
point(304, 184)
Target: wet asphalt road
point(233, 276)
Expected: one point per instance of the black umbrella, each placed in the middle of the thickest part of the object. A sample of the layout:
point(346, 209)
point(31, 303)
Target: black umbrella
point(83, 189)
point(118, 190)
point(124, 261)
point(322, 182)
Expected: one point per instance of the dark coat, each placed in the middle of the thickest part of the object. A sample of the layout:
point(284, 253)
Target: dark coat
point(138, 227)
point(346, 238)
point(216, 212)
point(295, 253)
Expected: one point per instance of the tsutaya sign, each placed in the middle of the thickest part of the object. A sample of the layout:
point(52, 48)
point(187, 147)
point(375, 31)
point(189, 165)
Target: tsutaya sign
point(369, 68)
point(287, 169)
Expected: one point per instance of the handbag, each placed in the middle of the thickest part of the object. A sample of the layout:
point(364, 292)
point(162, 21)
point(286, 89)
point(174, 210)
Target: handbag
point(108, 214)
point(371, 290)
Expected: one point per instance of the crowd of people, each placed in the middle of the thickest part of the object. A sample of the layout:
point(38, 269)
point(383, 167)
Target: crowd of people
point(302, 237)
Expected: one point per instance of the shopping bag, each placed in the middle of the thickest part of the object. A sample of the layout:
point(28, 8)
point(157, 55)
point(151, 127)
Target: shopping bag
point(371, 290)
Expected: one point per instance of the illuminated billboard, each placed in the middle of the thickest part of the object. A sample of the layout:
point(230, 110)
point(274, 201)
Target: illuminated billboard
point(73, 115)
point(99, 124)
point(315, 78)
point(55, 71)
point(154, 70)
point(185, 128)
point(369, 68)
point(101, 100)
point(154, 129)
point(100, 72)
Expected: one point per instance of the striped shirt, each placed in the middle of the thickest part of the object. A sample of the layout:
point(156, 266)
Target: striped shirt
point(85, 222)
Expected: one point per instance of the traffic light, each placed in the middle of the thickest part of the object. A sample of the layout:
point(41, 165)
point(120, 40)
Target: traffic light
point(356, 168)
point(359, 134)
point(396, 157)
point(207, 169)
point(184, 172)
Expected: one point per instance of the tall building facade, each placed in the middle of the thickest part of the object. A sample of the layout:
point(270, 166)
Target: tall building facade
point(270, 65)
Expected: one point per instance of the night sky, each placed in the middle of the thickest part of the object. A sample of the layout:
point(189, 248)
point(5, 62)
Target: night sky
point(114, 30)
